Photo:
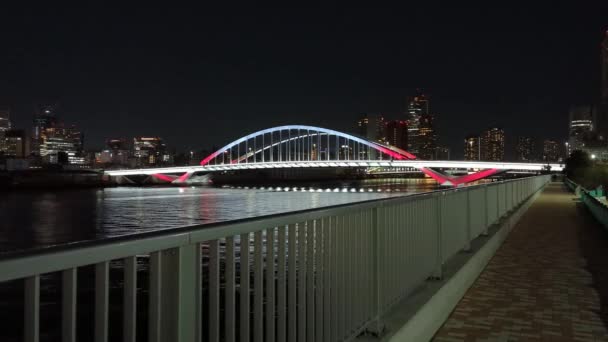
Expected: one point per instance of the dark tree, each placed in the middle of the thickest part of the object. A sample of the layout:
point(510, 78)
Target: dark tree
point(577, 163)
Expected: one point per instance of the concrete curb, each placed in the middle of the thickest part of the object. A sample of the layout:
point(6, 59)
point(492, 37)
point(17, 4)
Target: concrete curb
point(432, 314)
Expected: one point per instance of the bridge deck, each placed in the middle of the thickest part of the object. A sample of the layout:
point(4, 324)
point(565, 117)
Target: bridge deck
point(548, 281)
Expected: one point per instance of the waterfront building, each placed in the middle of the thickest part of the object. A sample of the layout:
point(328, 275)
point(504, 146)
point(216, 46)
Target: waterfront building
point(119, 152)
point(15, 143)
point(472, 148)
point(149, 151)
point(524, 150)
point(551, 151)
point(492, 144)
point(396, 134)
point(58, 141)
point(54, 142)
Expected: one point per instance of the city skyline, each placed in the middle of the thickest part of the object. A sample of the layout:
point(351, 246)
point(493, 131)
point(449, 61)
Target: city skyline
point(168, 76)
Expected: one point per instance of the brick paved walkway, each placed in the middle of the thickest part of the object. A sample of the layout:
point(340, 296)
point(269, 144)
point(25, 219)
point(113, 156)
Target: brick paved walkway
point(547, 282)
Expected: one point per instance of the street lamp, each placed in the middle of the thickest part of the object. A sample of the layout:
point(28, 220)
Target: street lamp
point(593, 156)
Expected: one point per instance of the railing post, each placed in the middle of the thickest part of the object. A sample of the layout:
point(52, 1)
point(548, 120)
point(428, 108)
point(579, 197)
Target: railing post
point(178, 283)
point(485, 212)
point(438, 273)
point(467, 245)
point(31, 316)
point(376, 327)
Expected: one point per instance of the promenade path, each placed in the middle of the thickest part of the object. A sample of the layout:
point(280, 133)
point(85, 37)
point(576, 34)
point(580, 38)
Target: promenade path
point(547, 282)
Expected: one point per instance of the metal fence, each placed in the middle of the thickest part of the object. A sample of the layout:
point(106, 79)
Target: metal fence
point(316, 275)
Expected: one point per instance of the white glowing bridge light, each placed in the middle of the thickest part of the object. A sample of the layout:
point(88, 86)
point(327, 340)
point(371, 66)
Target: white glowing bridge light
point(341, 163)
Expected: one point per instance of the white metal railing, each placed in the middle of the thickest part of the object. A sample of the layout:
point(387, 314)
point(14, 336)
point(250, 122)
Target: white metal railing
point(316, 275)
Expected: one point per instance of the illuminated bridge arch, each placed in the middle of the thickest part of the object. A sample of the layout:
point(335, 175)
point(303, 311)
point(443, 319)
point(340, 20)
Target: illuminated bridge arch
point(301, 146)
point(302, 143)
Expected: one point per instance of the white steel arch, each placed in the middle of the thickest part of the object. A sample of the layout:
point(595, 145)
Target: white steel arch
point(392, 151)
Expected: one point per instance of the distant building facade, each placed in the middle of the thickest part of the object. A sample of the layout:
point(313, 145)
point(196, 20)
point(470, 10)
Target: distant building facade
point(54, 142)
point(396, 134)
point(581, 126)
point(119, 151)
point(372, 127)
point(472, 148)
point(15, 143)
point(61, 141)
point(5, 119)
point(427, 139)
point(551, 151)
point(417, 108)
point(45, 118)
point(442, 153)
point(493, 144)
point(5, 125)
point(149, 151)
point(524, 150)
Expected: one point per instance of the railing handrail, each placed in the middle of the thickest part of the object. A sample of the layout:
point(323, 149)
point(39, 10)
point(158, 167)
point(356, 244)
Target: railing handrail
point(334, 271)
point(21, 264)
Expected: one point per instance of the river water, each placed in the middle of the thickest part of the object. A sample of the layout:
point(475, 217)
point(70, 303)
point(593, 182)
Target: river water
point(35, 219)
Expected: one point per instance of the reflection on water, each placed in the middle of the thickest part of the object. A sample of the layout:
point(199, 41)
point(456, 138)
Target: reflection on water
point(37, 219)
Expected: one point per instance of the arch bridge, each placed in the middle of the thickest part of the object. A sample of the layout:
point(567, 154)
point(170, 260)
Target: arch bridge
point(301, 146)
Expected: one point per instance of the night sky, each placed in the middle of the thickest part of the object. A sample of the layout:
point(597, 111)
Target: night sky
point(204, 76)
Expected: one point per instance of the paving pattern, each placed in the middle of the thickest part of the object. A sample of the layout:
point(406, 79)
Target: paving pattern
point(547, 282)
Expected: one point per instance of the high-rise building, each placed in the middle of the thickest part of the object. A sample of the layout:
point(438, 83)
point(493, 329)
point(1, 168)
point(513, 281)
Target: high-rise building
point(426, 137)
point(363, 126)
point(372, 127)
point(581, 126)
point(45, 118)
point(524, 150)
point(442, 153)
point(5, 125)
point(57, 141)
point(396, 134)
point(15, 143)
point(149, 151)
point(5, 119)
point(492, 144)
point(418, 106)
point(118, 152)
point(472, 148)
point(550, 151)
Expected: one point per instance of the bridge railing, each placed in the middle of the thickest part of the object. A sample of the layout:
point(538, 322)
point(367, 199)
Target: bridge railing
point(324, 274)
